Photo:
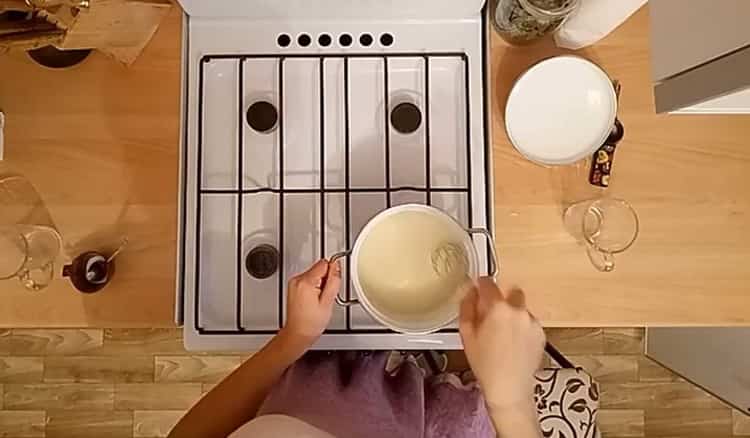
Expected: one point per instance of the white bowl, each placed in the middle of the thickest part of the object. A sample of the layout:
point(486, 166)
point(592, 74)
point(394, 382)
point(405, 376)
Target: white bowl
point(560, 110)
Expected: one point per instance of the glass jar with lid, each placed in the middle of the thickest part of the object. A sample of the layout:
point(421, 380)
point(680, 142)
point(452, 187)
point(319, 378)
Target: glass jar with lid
point(524, 21)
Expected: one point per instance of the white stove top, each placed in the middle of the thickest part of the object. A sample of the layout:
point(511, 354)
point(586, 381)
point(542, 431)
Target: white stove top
point(298, 131)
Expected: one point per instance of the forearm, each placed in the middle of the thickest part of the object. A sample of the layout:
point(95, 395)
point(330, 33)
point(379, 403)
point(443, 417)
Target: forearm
point(236, 400)
point(515, 422)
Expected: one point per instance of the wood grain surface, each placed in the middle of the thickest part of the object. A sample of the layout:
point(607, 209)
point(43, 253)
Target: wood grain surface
point(622, 422)
point(740, 423)
point(689, 422)
point(100, 143)
point(686, 176)
point(204, 369)
point(89, 424)
point(98, 369)
point(75, 394)
point(22, 423)
point(156, 396)
point(154, 423)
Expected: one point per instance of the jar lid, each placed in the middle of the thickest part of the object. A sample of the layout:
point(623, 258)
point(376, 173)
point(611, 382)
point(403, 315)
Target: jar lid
point(560, 110)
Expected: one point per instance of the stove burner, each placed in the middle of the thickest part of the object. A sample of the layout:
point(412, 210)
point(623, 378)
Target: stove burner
point(262, 261)
point(262, 116)
point(253, 252)
point(406, 118)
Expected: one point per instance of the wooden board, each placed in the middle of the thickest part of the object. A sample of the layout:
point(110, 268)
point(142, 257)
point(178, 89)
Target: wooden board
point(103, 151)
point(100, 143)
point(687, 176)
point(98, 376)
point(119, 28)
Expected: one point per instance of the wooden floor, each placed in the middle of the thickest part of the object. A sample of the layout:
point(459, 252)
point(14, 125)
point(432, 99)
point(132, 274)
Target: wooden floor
point(138, 382)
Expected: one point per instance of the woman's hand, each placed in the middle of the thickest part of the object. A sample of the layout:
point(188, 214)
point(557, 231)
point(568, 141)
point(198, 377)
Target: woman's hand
point(236, 400)
point(504, 345)
point(309, 305)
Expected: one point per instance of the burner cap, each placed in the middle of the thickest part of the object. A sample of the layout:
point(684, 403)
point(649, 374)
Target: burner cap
point(262, 261)
point(406, 118)
point(262, 116)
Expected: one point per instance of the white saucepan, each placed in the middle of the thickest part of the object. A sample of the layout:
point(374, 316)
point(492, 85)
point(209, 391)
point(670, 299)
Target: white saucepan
point(392, 268)
point(561, 110)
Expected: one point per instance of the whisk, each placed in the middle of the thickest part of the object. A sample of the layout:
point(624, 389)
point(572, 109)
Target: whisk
point(449, 259)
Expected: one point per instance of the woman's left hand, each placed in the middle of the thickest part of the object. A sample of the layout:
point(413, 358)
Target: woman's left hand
point(236, 400)
point(310, 298)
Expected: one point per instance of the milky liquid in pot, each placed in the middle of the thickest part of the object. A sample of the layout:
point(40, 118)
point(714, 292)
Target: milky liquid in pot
point(396, 269)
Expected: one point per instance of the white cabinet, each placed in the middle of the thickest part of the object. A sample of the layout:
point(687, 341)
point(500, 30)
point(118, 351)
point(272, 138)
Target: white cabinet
point(700, 55)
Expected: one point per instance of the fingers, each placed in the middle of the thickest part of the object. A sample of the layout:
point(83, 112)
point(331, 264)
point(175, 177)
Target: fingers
point(315, 274)
point(468, 311)
point(542, 337)
point(490, 292)
point(488, 289)
point(332, 284)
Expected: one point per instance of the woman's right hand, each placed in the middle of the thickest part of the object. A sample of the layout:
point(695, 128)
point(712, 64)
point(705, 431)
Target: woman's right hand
point(504, 345)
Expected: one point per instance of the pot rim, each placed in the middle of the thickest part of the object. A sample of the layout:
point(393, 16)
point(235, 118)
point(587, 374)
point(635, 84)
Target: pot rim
point(391, 323)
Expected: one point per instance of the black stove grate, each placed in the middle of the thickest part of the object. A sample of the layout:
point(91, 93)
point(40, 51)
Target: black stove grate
point(387, 190)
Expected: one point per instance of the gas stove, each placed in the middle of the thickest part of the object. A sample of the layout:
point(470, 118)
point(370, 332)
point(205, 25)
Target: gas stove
point(302, 120)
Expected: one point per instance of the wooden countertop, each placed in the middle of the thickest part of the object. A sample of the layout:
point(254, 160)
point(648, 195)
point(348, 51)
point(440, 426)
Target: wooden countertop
point(100, 143)
point(687, 176)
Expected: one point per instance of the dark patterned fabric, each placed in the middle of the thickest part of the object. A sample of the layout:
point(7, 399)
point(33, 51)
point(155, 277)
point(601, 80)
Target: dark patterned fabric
point(567, 401)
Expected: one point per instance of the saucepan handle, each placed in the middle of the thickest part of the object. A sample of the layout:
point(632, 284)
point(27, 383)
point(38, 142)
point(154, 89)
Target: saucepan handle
point(343, 302)
point(493, 268)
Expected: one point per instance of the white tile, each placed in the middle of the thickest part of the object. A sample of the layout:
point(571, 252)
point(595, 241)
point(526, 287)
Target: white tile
point(454, 204)
point(218, 261)
point(406, 84)
point(335, 145)
point(408, 197)
point(260, 226)
point(221, 118)
point(260, 154)
point(447, 95)
point(301, 123)
point(367, 126)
